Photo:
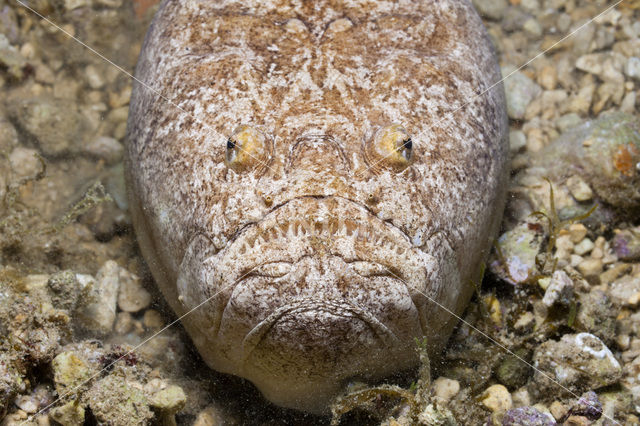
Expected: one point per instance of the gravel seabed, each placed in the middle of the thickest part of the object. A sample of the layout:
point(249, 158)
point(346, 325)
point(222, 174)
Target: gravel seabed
point(561, 293)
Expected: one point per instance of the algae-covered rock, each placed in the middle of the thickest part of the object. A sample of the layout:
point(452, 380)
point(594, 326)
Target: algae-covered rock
point(11, 382)
point(64, 290)
point(604, 153)
point(168, 402)
point(597, 315)
point(69, 372)
point(54, 124)
point(69, 414)
point(512, 372)
point(578, 362)
point(116, 401)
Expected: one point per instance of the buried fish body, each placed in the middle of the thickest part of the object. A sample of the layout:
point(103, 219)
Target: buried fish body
point(316, 183)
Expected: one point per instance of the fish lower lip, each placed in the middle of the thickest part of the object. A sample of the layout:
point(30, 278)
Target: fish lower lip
point(342, 307)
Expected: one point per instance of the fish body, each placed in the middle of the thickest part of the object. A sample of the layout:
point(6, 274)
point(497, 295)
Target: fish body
point(316, 184)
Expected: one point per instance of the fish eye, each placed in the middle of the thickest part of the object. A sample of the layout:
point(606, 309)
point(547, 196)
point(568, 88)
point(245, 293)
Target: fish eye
point(247, 149)
point(391, 147)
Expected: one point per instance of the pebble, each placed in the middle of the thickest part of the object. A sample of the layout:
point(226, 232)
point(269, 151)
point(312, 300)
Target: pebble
point(532, 28)
point(210, 416)
point(558, 410)
point(632, 68)
point(577, 232)
point(548, 77)
point(492, 9)
point(559, 291)
point(132, 297)
point(579, 188)
point(535, 140)
point(124, 323)
point(626, 244)
point(628, 103)
point(99, 315)
point(520, 91)
point(577, 421)
point(44, 74)
point(525, 322)
point(94, 78)
point(568, 121)
point(105, 148)
point(614, 273)
point(588, 405)
point(517, 140)
point(590, 63)
point(564, 246)
point(590, 268)
point(583, 247)
point(27, 403)
point(115, 400)
point(521, 397)
point(496, 398)
point(8, 135)
point(625, 290)
point(445, 389)
point(152, 319)
point(25, 163)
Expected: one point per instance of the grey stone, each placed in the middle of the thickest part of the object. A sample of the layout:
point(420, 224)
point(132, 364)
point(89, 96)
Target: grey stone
point(520, 91)
point(492, 9)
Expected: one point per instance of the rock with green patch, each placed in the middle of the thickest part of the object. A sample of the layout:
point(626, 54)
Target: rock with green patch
point(69, 372)
point(517, 249)
point(512, 372)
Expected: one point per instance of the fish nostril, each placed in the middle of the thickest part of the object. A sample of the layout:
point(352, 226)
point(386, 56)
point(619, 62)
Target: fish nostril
point(317, 153)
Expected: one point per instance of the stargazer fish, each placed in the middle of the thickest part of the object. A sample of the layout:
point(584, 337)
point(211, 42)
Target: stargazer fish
point(315, 184)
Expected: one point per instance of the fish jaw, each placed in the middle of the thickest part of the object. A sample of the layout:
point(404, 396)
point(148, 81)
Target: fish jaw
point(317, 294)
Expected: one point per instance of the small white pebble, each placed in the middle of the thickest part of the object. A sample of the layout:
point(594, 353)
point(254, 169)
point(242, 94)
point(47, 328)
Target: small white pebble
point(583, 247)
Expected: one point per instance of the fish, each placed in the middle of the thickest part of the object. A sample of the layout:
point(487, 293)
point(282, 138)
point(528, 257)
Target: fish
point(316, 184)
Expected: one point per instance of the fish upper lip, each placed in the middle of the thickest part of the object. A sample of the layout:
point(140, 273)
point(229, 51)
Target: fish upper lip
point(393, 237)
point(257, 333)
point(244, 227)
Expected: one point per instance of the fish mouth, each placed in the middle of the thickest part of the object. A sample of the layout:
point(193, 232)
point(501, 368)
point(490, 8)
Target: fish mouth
point(336, 308)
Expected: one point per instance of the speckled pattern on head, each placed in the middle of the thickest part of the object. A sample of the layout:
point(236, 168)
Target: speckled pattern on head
point(318, 184)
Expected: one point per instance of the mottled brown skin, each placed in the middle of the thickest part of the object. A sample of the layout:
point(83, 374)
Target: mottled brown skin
point(317, 260)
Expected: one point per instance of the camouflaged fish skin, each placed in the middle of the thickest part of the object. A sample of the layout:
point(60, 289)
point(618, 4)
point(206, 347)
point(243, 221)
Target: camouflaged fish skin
point(318, 183)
